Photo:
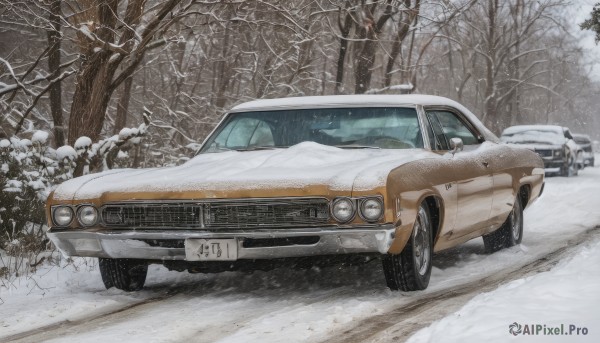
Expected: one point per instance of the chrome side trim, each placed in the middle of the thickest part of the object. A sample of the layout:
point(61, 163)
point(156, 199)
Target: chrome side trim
point(132, 244)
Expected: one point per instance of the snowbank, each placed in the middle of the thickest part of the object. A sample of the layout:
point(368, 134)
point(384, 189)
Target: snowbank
point(564, 301)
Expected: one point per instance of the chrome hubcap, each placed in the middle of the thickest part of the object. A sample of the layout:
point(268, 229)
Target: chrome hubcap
point(421, 248)
point(516, 222)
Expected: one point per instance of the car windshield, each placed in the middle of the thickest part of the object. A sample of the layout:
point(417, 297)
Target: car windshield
point(581, 140)
point(352, 128)
point(533, 136)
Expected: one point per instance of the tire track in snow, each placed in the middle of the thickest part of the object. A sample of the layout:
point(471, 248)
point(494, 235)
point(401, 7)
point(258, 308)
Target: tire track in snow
point(400, 323)
point(43, 330)
point(66, 328)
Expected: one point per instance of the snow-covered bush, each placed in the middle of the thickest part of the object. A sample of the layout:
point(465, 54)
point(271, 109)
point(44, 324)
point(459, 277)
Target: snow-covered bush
point(30, 170)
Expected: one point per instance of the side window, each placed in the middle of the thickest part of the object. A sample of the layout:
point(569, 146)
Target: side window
point(439, 139)
point(451, 126)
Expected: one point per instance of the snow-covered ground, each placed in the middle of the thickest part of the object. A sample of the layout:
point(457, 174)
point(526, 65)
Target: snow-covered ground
point(557, 306)
point(318, 304)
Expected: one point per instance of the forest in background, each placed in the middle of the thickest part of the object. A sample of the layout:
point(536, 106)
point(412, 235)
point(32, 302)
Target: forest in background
point(88, 85)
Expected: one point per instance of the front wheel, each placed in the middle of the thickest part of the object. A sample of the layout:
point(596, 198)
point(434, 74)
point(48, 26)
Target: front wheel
point(510, 233)
point(125, 274)
point(411, 269)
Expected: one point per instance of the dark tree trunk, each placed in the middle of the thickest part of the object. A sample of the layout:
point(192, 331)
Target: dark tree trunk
point(96, 79)
point(93, 90)
point(365, 59)
point(54, 68)
point(491, 102)
point(345, 32)
point(368, 32)
point(123, 106)
point(403, 27)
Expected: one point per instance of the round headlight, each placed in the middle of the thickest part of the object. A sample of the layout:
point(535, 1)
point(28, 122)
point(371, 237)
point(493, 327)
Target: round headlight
point(62, 215)
point(87, 215)
point(343, 210)
point(371, 209)
point(557, 152)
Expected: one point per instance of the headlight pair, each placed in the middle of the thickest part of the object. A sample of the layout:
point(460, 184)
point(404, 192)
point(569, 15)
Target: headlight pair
point(369, 209)
point(87, 215)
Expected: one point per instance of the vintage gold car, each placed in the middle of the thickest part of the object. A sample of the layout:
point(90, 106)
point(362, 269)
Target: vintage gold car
point(301, 180)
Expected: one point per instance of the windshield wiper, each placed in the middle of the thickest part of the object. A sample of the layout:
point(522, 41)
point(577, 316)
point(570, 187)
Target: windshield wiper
point(531, 142)
point(356, 146)
point(260, 147)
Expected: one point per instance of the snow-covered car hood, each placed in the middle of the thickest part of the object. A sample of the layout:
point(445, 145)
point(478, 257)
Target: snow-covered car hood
point(307, 166)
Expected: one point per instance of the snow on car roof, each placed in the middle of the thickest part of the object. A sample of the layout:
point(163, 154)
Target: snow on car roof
point(344, 100)
point(522, 128)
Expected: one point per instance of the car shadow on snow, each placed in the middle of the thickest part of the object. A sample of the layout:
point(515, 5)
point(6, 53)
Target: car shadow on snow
point(364, 279)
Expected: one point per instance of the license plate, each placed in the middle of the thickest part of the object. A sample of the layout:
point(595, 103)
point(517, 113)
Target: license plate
point(211, 249)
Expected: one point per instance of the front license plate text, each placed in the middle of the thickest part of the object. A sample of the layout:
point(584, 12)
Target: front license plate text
point(210, 249)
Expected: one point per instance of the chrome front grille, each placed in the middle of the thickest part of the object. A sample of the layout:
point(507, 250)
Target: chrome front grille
point(544, 153)
point(298, 212)
point(180, 215)
point(218, 214)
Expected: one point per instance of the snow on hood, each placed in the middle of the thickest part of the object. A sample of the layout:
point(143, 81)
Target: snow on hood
point(299, 166)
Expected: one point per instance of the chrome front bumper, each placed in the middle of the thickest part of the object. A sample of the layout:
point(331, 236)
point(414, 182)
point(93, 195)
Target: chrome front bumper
point(134, 243)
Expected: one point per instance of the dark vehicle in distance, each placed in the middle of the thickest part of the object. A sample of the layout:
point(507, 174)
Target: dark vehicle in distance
point(553, 143)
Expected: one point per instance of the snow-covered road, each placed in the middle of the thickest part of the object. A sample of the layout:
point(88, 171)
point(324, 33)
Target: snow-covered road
point(335, 303)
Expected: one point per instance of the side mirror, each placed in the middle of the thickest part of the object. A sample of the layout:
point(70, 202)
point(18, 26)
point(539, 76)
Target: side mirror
point(456, 144)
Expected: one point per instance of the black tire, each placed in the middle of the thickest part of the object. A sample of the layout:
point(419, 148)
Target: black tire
point(411, 269)
point(573, 169)
point(124, 274)
point(570, 168)
point(510, 233)
point(578, 166)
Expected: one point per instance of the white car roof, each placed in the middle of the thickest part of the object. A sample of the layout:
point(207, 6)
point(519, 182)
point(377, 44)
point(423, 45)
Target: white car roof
point(359, 100)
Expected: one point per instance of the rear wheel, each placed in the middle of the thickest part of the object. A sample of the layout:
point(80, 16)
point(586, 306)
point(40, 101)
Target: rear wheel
point(573, 167)
point(580, 161)
point(411, 269)
point(125, 274)
point(510, 233)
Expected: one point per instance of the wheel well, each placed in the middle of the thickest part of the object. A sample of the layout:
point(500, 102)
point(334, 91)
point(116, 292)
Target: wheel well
point(434, 206)
point(524, 193)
